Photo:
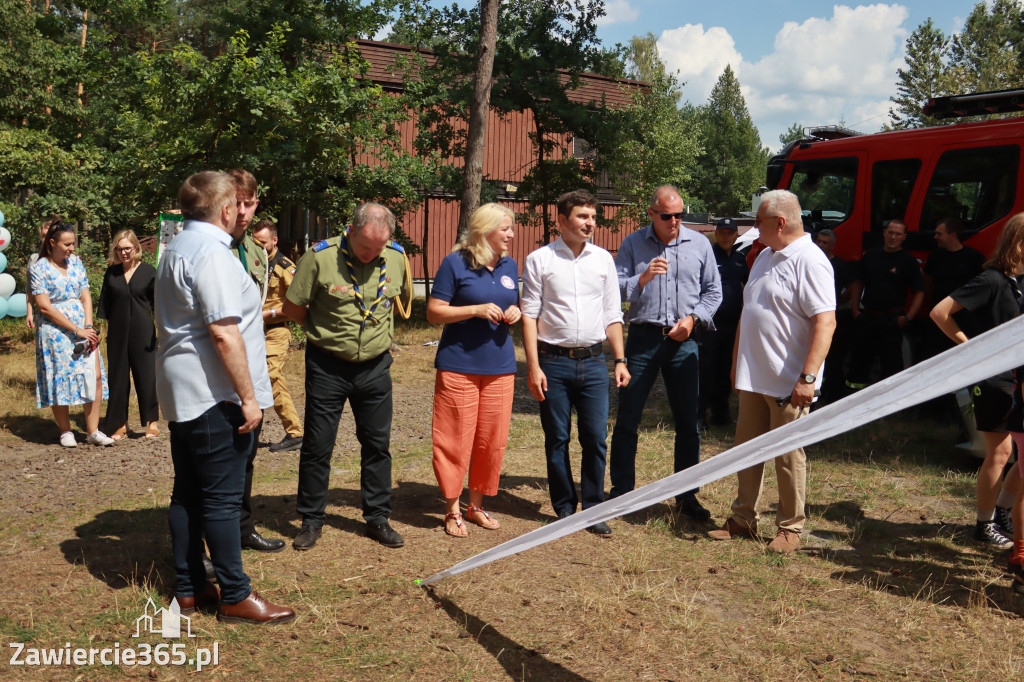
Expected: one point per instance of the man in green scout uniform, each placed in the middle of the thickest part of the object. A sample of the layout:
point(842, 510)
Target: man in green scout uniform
point(345, 290)
point(278, 334)
point(254, 260)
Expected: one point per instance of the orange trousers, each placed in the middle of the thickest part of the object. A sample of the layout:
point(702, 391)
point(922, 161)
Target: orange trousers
point(472, 413)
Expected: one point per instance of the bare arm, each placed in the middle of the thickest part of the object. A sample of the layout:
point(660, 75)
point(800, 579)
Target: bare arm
point(441, 312)
point(294, 312)
point(614, 334)
point(536, 379)
point(942, 316)
point(822, 327)
point(227, 340)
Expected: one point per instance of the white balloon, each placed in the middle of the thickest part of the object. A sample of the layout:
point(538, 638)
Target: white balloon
point(17, 305)
point(6, 285)
point(5, 238)
point(3, 307)
point(3, 262)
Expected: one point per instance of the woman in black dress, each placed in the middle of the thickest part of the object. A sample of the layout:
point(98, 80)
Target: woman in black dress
point(126, 302)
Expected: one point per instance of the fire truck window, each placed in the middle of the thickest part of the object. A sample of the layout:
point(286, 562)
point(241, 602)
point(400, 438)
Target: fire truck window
point(892, 183)
point(976, 185)
point(826, 189)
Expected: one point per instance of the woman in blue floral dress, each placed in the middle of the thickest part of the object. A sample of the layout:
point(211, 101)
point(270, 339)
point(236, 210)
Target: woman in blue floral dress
point(69, 370)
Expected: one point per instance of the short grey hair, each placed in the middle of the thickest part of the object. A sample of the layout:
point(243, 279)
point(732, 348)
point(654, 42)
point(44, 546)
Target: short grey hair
point(831, 234)
point(372, 213)
point(662, 191)
point(783, 203)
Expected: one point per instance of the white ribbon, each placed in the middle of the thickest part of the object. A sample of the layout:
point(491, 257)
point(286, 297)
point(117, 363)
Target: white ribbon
point(996, 351)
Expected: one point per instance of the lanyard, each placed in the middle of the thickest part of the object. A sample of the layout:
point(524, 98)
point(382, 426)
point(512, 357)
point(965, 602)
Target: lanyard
point(360, 300)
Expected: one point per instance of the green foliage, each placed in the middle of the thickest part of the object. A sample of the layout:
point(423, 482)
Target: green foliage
point(732, 164)
point(988, 54)
point(793, 133)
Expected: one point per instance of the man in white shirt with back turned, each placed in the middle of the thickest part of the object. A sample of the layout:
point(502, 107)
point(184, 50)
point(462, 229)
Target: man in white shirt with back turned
point(785, 331)
point(570, 305)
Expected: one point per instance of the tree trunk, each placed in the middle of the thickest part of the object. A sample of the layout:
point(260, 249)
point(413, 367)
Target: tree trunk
point(426, 246)
point(473, 177)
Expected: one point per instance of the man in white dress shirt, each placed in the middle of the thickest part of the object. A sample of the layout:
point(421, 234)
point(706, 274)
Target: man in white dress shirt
point(789, 314)
point(570, 305)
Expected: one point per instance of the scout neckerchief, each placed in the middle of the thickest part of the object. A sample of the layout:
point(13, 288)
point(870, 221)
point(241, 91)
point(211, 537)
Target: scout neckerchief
point(367, 312)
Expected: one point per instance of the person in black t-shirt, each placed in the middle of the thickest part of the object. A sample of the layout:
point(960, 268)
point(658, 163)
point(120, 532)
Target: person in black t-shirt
point(716, 345)
point(992, 298)
point(949, 267)
point(886, 276)
point(833, 386)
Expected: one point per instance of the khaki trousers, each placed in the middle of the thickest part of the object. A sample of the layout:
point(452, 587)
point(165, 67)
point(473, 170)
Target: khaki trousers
point(277, 350)
point(759, 414)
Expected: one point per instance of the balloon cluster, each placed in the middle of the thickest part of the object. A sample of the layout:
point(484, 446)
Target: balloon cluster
point(11, 303)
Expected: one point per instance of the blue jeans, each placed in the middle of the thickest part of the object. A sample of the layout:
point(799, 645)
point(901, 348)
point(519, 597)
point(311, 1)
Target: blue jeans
point(209, 458)
point(583, 384)
point(647, 353)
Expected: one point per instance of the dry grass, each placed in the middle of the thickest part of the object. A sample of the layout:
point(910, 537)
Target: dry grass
point(887, 587)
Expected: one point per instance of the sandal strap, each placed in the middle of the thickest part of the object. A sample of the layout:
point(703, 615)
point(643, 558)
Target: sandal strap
point(470, 509)
point(454, 515)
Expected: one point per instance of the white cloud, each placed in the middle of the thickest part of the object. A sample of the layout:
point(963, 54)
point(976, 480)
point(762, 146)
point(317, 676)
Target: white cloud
point(821, 71)
point(698, 56)
point(618, 12)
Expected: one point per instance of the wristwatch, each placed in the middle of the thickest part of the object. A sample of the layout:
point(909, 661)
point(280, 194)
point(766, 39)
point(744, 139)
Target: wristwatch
point(273, 313)
point(696, 320)
point(808, 378)
point(620, 361)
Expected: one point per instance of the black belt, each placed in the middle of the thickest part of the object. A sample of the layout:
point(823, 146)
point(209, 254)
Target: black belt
point(664, 331)
point(579, 353)
point(883, 313)
point(276, 325)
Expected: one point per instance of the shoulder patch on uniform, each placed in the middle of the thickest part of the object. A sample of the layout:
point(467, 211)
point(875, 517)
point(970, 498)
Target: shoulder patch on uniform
point(396, 246)
point(320, 246)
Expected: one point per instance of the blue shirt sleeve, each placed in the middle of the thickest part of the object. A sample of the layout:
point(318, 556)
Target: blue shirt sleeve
point(445, 281)
point(215, 286)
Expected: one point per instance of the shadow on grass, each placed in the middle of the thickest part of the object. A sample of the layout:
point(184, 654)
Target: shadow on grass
point(518, 661)
point(39, 430)
point(913, 560)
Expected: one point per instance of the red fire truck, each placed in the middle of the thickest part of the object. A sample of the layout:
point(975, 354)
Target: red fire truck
point(855, 183)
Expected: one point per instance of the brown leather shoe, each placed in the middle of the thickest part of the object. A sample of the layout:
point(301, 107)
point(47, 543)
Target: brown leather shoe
point(733, 529)
point(254, 609)
point(208, 598)
point(785, 541)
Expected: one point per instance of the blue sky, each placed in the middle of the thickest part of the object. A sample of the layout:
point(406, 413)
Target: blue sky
point(816, 63)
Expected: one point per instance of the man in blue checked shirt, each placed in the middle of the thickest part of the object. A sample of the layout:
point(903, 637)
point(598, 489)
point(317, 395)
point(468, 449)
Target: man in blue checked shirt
point(670, 279)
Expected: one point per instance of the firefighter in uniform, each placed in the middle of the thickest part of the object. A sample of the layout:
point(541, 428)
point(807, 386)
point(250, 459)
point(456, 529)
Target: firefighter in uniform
point(345, 290)
point(280, 274)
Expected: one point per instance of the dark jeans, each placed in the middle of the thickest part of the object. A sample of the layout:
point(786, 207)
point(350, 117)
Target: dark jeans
point(330, 381)
point(246, 523)
point(209, 469)
point(647, 354)
point(715, 366)
point(583, 384)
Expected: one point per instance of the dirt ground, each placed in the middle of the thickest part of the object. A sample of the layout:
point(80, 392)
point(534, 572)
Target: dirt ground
point(884, 590)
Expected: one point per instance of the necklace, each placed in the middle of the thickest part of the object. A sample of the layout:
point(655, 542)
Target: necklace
point(360, 300)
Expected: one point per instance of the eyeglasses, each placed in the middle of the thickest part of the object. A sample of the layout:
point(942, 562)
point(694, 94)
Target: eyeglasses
point(670, 216)
point(124, 249)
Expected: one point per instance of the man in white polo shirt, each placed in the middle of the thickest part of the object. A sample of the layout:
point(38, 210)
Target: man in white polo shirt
point(570, 304)
point(784, 335)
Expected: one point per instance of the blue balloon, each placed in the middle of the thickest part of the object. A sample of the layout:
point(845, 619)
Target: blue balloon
point(1, 218)
point(3, 262)
point(17, 305)
point(3, 307)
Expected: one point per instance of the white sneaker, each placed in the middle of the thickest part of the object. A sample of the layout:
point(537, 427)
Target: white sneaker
point(67, 440)
point(99, 438)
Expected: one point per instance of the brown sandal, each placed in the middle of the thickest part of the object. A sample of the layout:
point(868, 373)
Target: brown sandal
point(487, 522)
point(120, 433)
point(457, 517)
point(152, 433)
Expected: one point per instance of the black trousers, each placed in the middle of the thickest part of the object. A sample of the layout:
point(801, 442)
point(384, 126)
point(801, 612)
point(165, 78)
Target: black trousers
point(715, 365)
point(140, 363)
point(876, 336)
point(331, 381)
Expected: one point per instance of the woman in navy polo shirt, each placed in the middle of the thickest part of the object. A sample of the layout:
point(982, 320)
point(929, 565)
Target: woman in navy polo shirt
point(476, 296)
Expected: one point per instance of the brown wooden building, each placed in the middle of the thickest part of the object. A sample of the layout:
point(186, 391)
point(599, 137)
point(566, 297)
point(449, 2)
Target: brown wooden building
point(509, 156)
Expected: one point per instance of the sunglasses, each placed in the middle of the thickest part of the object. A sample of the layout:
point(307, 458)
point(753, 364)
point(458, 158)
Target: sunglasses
point(670, 216)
